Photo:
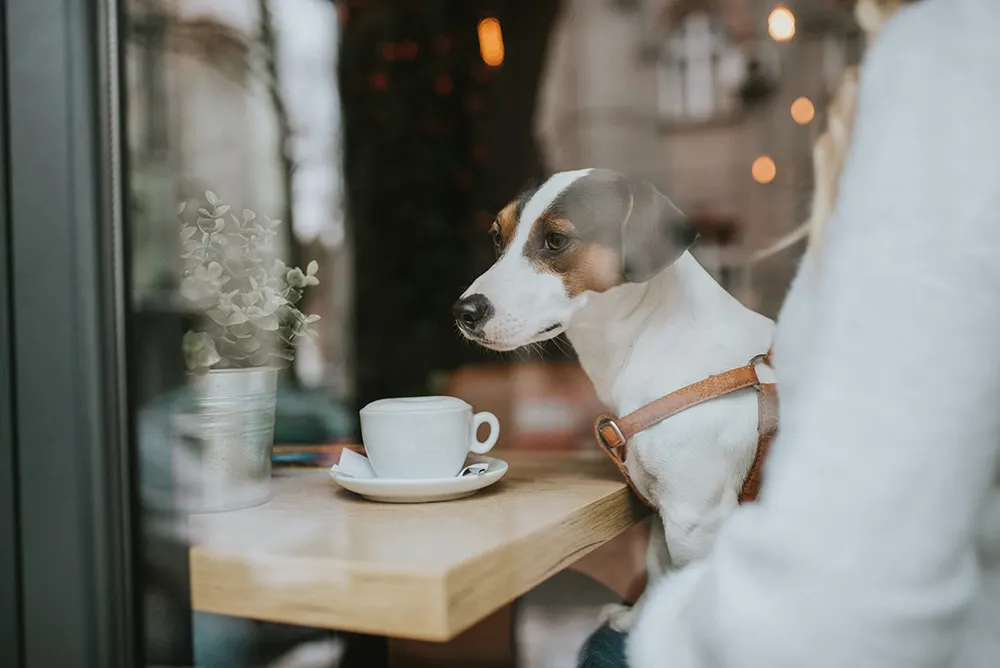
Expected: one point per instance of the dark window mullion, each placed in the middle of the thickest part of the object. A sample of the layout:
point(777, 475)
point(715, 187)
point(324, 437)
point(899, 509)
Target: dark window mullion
point(66, 300)
point(10, 603)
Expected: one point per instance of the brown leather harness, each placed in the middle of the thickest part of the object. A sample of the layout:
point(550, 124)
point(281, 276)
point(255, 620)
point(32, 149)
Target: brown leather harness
point(613, 433)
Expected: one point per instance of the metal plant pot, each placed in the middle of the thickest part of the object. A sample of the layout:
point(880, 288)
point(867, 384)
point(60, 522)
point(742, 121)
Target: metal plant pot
point(225, 460)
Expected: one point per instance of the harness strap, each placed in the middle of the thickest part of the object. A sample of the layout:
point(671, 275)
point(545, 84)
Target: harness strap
point(767, 429)
point(612, 433)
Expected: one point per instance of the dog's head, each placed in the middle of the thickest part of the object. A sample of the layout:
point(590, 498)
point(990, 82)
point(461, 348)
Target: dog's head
point(578, 233)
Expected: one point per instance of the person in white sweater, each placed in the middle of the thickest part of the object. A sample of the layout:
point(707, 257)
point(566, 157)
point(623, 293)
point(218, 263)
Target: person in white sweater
point(876, 540)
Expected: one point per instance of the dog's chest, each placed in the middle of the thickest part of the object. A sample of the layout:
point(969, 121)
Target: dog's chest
point(711, 444)
point(628, 374)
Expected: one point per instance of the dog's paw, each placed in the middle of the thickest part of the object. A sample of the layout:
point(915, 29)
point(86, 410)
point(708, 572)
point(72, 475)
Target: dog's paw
point(621, 618)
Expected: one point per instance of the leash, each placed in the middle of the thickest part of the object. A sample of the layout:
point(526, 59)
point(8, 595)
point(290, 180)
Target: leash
point(613, 433)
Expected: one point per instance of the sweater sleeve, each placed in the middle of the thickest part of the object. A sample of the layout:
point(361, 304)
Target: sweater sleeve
point(861, 551)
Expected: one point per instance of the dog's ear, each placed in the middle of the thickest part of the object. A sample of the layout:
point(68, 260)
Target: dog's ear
point(654, 233)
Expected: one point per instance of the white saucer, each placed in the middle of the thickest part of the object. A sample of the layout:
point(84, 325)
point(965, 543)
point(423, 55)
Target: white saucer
point(397, 490)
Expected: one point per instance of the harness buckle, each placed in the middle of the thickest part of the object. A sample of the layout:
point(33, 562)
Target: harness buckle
point(754, 361)
point(609, 422)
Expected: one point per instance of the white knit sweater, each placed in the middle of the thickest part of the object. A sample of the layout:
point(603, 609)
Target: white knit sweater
point(877, 539)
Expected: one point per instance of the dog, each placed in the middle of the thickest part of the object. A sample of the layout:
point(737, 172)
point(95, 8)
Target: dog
point(606, 260)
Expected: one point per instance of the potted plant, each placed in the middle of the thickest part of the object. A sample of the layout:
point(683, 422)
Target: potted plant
point(251, 325)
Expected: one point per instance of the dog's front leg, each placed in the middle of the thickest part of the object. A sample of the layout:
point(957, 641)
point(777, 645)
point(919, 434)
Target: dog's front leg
point(690, 525)
point(657, 561)
point(688, 530)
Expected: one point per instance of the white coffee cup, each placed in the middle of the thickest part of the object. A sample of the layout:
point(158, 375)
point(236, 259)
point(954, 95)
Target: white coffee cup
point(423, 437)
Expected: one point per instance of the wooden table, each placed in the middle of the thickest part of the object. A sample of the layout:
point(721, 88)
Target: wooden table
point(316, 555)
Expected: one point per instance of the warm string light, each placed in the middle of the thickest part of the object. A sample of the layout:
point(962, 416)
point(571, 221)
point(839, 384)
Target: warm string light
point(443, 84)
point(781, 28)
point(803, 110)
point(781, 24)
point(763, 169)
point(491, 42)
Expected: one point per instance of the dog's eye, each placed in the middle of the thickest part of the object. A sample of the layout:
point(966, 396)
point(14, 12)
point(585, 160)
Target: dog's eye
point(555, 241)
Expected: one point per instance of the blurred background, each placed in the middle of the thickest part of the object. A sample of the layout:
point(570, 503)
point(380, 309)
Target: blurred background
point(386, 134)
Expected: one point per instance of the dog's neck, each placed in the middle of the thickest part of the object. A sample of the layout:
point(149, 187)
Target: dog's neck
point(656, 321)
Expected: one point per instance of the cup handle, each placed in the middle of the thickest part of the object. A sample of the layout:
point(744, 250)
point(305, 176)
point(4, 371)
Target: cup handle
point(482, 447)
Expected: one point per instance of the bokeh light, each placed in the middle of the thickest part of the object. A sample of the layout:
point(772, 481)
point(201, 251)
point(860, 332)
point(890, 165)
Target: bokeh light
point(803, 110)
point(491, 42)
point(781, 24)
point(763, 169)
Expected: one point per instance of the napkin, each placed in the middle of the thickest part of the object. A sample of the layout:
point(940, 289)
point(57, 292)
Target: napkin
point(355, 465)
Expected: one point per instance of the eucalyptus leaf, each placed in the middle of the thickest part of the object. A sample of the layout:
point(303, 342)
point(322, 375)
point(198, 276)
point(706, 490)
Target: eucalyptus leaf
point(219, 316)
point(260, 357)
point(212, 198)
point(268, 323)
point(227, 317)
point(243, 331)
point(214, 270)
point(249, 346)
point(199, 350)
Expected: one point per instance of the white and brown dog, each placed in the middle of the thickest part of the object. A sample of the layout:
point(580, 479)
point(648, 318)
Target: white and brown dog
point(605, 259)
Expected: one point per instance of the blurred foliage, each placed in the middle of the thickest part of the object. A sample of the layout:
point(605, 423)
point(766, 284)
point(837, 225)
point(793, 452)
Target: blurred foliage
point(232, 275)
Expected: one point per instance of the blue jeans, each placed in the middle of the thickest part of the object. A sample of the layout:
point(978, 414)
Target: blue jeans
point(605, 648)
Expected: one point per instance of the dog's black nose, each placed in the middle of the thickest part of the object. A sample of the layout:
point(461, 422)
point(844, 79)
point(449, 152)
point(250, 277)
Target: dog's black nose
point(473, 311)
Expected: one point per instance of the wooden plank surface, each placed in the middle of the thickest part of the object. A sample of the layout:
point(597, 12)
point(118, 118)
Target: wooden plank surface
point(316, 555)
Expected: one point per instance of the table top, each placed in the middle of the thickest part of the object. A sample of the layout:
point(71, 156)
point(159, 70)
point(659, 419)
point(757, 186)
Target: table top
point(317, 555)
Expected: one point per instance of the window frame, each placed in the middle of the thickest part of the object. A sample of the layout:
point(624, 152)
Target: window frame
point(64, 335)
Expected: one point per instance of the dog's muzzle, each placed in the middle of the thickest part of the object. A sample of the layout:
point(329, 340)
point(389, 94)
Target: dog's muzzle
point(472, 312)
